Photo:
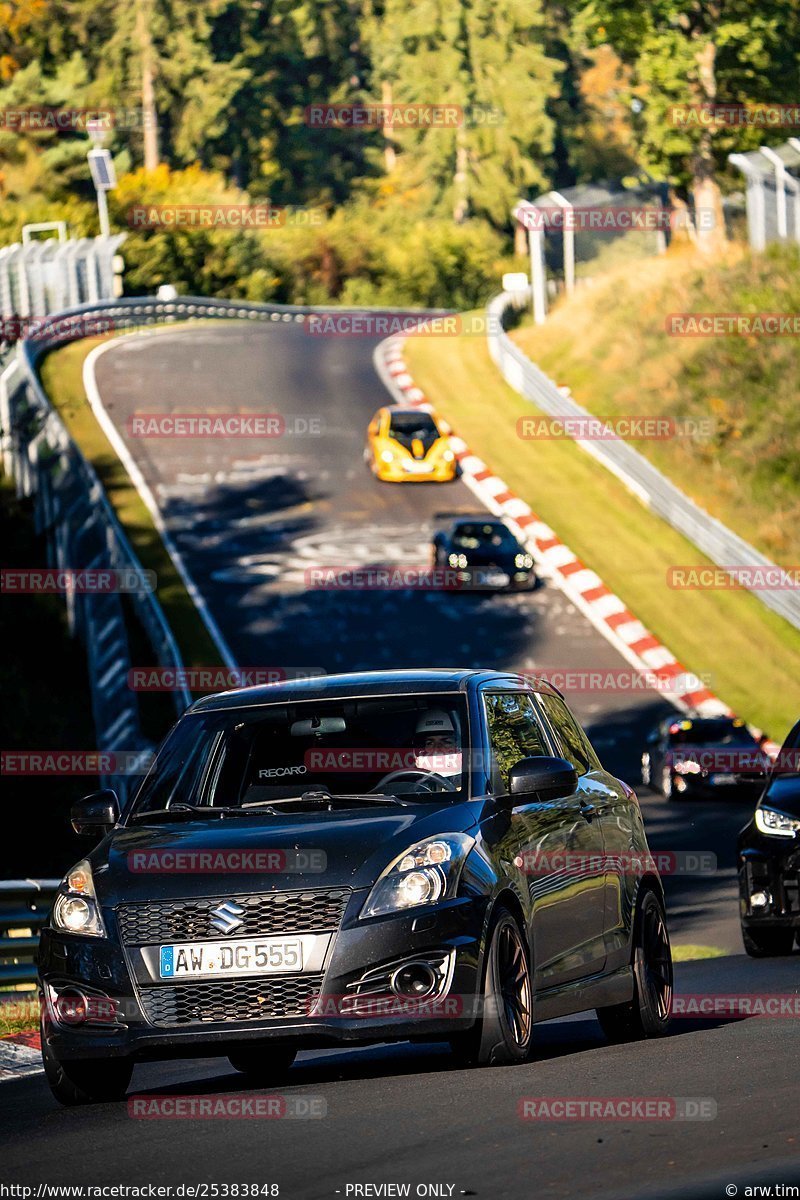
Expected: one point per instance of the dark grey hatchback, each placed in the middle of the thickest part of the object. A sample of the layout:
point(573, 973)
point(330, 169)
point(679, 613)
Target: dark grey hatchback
point(425, 855)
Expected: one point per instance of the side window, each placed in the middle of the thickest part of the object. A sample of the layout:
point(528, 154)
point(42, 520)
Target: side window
point(575, 746)
point(514, 733)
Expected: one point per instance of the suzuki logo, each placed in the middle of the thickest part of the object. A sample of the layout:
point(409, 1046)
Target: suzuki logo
point(227, 916)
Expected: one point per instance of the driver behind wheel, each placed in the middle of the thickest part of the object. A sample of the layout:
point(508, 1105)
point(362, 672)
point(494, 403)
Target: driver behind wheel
point(436, 744)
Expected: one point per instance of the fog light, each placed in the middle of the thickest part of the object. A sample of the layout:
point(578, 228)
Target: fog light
point(415, 980)
point(759, 900)
point(71, 1008)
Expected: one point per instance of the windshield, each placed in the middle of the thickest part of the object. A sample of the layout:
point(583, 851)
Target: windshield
point(413, 424)
point(711, 733)
point(248, 757)
point(478, 537)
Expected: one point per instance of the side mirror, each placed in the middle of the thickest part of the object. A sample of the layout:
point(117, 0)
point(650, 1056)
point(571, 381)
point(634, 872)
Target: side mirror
point(544, 776)
point(95, 814)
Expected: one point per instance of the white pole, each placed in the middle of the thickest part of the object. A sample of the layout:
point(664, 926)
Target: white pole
point(102, 210)
point(536, 242)
point(780, 188)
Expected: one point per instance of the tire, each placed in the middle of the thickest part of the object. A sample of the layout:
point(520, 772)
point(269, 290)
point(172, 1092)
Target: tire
point(263, 1064)
point(648, 1013)
point(88, 1081)
point(767, 943)
point(502, 1034)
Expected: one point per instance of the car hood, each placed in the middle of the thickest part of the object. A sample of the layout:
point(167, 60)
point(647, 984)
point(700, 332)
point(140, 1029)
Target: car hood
point(784, 793)
point(319, 850)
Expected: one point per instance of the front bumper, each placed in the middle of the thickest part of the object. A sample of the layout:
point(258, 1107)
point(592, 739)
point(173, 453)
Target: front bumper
point(397, 473)
point(102, 967)
point(771, 871)
point(706, 786)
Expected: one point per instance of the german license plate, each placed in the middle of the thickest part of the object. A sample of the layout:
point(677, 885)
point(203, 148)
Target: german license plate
point(418, 468)
point(253, 956)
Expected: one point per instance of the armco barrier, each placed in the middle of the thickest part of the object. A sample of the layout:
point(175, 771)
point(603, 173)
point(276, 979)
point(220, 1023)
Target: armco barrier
point(24, 905)
point(708, 534)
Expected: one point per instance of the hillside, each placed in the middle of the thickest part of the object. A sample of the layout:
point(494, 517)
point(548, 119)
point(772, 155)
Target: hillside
point(609, 344)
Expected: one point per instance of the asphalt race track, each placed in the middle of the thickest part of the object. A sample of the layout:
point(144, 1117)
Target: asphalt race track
point(250, 519)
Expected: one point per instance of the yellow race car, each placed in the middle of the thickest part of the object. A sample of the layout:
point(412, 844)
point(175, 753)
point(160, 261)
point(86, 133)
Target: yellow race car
point(409, 445)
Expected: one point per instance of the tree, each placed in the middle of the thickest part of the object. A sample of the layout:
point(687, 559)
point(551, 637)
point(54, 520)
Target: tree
point(690, 57)
point(485, 60)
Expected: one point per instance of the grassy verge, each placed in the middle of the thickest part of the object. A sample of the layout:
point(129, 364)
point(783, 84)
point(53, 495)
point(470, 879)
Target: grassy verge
point(18, 1016)
point(611, 345)
point(752, 656)
point(62, 376)
point(692, 953)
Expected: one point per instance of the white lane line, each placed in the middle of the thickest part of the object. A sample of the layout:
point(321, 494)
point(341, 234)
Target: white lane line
point(148, 499)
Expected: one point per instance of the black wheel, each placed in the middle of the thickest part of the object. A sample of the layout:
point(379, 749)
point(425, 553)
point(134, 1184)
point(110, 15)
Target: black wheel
point(502, 1033)
point(89, 1081)
point(648, 1013)
point(767, 943)
point(263, 1064)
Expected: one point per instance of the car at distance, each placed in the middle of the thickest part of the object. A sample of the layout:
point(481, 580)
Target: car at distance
point(482, 552)
point(409, 445)
point(695, 757)
point(769, 860)
point(358, 858)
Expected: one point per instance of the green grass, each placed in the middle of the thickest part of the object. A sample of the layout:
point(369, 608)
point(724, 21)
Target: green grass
point(751, 655)
point(693, 952)
point(18, 1016)
point(609, 344)
point(62, 376)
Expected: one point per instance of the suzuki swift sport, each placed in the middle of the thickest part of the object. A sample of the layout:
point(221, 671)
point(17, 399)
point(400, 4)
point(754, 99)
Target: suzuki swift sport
point(423, 855)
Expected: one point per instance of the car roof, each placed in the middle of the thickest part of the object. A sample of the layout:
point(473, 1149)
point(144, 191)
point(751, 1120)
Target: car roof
point(367, 683)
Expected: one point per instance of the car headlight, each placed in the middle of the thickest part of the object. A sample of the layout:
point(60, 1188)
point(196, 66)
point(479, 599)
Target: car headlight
point(76, 909)
point(457, 560)
point(686, 766)
point(523, 560)
point(448, 455)
point(387, 456)
point(776, 824)
point(426, 872)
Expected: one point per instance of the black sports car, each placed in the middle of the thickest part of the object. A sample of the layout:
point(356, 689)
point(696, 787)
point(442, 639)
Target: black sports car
point(359, 858)
point(483, 552)
point(690, 757)
point(769, 860)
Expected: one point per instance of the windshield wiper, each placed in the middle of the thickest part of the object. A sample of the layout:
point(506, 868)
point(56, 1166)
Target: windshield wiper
point(198, 810)
point(323, 797)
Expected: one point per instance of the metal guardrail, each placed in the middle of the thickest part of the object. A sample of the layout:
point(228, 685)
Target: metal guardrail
point(24, 906)
point(658, 493)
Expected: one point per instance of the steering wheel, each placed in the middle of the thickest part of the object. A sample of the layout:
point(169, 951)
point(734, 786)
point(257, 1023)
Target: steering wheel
point(417, 772)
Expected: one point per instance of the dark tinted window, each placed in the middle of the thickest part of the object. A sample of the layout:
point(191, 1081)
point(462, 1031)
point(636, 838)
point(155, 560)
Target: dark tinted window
point(710, 733)
point(416, 424)
point(514, 733)
point(474, 536)
point(240, 757)
point(575, 746)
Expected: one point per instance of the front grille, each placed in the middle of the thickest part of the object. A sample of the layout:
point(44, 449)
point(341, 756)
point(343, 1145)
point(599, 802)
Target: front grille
point(231, 1000)
point(190, 920)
